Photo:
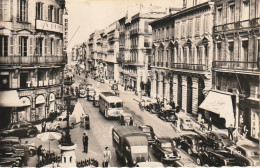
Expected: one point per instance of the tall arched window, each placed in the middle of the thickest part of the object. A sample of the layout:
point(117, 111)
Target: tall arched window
point(23, 11)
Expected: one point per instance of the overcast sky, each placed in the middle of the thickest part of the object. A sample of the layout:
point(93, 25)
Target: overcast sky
point(89, 15)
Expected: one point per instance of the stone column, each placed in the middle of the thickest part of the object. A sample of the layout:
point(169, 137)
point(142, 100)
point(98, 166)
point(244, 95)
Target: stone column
point(175, 88)
point(195, 91)
point(138, 80)
point(160, 89)
point(167, 90)
point(184, 93)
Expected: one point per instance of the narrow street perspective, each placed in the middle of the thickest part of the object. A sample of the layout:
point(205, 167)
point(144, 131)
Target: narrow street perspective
point(110, 83)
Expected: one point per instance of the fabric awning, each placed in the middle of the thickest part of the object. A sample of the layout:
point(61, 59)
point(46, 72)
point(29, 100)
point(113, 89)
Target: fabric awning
point(10, 98)
point(221, 104)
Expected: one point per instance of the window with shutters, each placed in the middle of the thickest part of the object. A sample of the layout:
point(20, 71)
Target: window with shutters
point(4, 10)
point(23, 46)
point(146, 26)
point(183, 29)
point(245, 10)
point(245, 51)
point(197, 26)
point(167, 33)
point(184, 55)
point(31, 46)
point(3, 46)
point(206, 24)
point(50, 13)
point(52, 47)
point(172, 55)
point(199, 55)
point(206, 54)
point(190, 28)
point(219, 51)
point(23, 13)
point(219, 15)
point(231, 50)
point(46, 46)
point(39, 46)
point(177, 30)
point(231, 13)
point(39, 10)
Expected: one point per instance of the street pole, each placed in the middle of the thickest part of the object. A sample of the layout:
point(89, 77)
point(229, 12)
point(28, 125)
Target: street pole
point(237, 110)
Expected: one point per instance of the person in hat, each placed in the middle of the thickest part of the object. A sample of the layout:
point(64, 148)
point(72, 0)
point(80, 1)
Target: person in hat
point(85, 142)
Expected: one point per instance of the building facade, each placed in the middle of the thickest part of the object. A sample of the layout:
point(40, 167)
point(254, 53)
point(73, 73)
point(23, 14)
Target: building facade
point(182, 56)
point(236, 59)
point(31, 59)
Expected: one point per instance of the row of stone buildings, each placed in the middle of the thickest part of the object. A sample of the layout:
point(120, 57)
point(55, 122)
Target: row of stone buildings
point(32, 58)
point(204, 57)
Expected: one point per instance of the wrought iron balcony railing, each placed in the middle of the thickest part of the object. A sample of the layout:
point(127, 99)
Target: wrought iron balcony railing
point(236, 65)
point(32, 60)
point(197, 67)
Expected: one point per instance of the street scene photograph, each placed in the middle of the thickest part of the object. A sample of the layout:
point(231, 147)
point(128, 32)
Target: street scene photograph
point(129, 83)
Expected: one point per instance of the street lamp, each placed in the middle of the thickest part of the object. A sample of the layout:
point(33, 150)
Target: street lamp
point(67, 139)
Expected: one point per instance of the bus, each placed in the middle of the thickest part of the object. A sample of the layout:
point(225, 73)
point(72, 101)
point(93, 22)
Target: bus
point(110, 105)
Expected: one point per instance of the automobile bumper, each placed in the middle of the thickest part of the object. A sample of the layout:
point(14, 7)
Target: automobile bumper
point(171, 159)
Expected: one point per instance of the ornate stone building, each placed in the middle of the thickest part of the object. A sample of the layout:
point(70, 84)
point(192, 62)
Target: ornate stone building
point(31, 58)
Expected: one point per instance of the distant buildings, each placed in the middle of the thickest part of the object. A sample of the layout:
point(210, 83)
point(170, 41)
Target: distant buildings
point(31, 59)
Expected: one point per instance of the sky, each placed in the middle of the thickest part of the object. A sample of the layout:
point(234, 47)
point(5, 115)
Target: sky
point(86, 16)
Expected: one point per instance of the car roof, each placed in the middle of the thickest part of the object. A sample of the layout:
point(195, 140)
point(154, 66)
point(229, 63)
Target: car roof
point(145, 126)
point(165, 139)
point(249, 147)
point(126, 114)
point(150, 164)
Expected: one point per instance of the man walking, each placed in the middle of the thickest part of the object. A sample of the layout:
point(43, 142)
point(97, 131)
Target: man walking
point(230, 132)
point(85, 142)
point(107, 157)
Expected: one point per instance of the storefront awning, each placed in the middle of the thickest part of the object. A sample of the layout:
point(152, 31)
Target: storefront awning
point(9, 98)
point(221, 104)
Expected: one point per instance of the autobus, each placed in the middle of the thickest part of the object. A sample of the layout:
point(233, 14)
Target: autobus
point(110, 105)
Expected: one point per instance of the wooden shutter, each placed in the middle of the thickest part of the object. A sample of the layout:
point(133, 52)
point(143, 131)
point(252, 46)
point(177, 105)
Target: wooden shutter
point(11, 45)
point(31, 46)
point(20, 46)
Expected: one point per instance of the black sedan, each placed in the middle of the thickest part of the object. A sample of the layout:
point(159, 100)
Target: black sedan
point(191, 143)
point(165, 151)
point(148, 130)
point(154, 108)
point(217, 140)
point(20, 129)
point(219, 158)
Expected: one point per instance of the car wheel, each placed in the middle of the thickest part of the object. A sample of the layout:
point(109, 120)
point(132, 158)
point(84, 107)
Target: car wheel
point(31, 133)
point(198, 161)
point(189, 151)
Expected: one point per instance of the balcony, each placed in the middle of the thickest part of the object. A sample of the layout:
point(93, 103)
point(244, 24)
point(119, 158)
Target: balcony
point(119, 59)
point(196, 67)
point(236, 65)
point(133, 32)
point(33, 60)
point(237, 25)
point(49, 26)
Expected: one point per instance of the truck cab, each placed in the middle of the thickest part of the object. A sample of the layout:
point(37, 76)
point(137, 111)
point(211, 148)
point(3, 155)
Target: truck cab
point(131, 145)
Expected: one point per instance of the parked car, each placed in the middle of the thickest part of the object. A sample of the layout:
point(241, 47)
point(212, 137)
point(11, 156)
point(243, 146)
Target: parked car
point(250, 152)
point(168, 115)
point(191, 143)
point(154, 108)
point(96, 100)
point(20, 129)
point(125, 118)
point(148, 130)
point(165, 151)
point(10, 162)
point(186, 124)
point(90, 94)
point(219, 158)
point(61, 123)
point(214, 140)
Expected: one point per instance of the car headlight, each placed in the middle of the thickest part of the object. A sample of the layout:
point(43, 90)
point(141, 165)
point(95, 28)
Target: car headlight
point(134, 162)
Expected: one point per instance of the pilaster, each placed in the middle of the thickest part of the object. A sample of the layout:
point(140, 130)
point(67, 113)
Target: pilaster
point(184, 93)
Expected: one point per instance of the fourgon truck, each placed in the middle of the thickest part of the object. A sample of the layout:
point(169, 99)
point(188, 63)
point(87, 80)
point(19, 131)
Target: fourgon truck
point(131, 145)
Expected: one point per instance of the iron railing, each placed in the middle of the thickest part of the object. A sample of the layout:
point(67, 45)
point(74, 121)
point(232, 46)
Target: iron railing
point(32, 60)
point(197, 67)
point(236, 65)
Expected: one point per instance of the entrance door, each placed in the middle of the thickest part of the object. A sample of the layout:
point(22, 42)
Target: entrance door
point(201, 96)
point(189, 95)
point(179, 91)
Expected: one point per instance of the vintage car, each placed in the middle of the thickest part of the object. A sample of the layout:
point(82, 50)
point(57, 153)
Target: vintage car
point(125, 118)
point(91, 93)
point(149, 164)
point(10, 162)
point(186, 124)
point(82, 93)
point(168, 115)
point(20, 129)
point(154, 108)
point(214, 140)
point(219, 158)
point(250, 152)
point(96, 100)
point(191, 143)
point(165, 151)
point(148, 130)
point(61, 123)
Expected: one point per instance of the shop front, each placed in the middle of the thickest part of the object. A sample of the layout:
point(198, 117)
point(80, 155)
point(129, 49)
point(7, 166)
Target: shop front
point(219, 106)
point(52, 103)
point(25, 111)
point(40, 108)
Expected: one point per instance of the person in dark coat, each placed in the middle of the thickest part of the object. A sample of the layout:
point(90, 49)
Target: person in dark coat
point(39, 153)
point(85, 142)
point(43, 126)
point(210, 124)
point(131, 123)
point(230, 132)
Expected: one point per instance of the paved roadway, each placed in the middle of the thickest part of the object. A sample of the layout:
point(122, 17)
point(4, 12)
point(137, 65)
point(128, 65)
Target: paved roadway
point(100, 134)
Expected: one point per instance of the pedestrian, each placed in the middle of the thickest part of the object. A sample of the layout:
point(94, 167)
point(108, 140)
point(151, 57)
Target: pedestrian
point(43, 126)
point(202, 127)
point(85, 142)
point(210, 124)
point(131, 123)
point(230, 132)
point(26, 153)
point(245, 130)
point(82, 121)
point(107, 157)
point(39, 153)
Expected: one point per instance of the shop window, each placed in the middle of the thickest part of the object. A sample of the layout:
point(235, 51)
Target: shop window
point(3, 46)
point(23, 80)
point(4, 82)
